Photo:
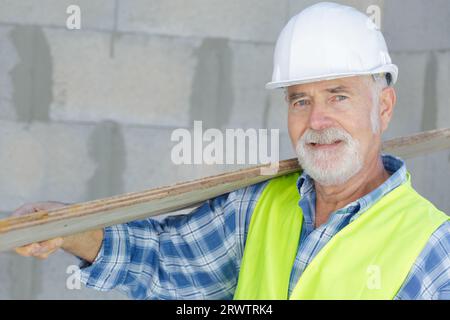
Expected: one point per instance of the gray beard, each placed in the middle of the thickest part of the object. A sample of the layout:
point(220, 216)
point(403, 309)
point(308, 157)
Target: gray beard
point(330, 167)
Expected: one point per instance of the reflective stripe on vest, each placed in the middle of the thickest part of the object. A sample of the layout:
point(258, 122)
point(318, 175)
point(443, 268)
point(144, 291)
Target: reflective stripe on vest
point(368, 259)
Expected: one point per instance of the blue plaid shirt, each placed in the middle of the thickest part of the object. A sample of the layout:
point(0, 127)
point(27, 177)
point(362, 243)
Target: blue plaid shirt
point(198, 255)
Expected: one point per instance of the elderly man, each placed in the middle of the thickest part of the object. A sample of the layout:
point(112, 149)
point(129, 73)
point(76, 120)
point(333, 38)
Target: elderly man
point(350, 226)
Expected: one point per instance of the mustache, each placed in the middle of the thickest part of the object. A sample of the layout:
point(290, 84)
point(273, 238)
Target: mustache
point(325, 136)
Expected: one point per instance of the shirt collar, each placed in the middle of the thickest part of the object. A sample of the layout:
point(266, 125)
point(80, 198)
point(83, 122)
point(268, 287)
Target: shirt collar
point(398, 175)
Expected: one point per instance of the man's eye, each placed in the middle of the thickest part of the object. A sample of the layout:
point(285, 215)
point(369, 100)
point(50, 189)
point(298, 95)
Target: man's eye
point(340, 98)
point(301, 103)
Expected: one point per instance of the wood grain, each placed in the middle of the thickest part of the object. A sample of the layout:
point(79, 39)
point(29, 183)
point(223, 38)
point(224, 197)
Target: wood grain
point(43, 225)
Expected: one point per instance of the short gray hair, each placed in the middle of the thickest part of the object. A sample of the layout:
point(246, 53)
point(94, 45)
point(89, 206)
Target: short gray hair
point(381, 81)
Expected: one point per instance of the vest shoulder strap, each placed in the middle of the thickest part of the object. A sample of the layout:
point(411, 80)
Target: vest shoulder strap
point(266, 252)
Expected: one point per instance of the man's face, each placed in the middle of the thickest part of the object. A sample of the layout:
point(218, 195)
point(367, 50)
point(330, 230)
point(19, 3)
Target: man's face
point(335, 126)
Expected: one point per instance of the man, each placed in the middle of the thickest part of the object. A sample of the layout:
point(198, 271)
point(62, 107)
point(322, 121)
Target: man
point(349, 227)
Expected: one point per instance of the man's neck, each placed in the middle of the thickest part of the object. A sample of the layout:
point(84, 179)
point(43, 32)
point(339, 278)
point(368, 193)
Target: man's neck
point(332, 198)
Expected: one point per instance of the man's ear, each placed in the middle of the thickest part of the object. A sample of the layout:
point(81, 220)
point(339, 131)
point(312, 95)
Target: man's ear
point(388, 98)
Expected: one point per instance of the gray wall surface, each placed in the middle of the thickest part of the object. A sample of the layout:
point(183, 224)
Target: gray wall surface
point(88, 113)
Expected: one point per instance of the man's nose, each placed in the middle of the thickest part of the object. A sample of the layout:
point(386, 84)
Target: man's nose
point(319, 118)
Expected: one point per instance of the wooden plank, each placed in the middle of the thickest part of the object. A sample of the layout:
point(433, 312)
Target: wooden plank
point(43, 225)
point(418, 144)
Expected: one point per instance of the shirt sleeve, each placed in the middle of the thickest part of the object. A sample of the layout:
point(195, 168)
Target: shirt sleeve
point(191, 256)
point(443, 293)
point(429, 277)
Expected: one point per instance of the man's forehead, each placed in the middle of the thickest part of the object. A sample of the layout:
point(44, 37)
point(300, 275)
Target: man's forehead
point(337, 85)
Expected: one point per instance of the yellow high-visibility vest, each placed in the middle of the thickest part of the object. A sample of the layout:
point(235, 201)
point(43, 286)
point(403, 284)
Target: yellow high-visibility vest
point(370, 258)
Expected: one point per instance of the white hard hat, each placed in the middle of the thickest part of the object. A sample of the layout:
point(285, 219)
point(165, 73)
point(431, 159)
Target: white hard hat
point(328, 41)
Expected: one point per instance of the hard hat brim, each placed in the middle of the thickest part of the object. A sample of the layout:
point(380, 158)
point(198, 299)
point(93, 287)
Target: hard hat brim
point(388, 68)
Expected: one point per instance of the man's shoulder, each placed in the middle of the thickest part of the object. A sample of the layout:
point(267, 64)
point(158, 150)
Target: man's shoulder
point(437, 247)
point(253, 191)
point(429, 277)
point(249, 193)
point(414, 200)
point(442, 235)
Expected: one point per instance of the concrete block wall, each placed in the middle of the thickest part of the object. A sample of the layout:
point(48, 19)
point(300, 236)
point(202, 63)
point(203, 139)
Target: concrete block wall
point(88, 113)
